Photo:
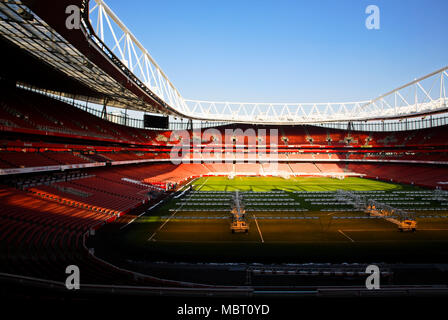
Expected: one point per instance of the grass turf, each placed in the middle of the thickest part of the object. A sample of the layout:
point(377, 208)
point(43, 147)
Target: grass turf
point(260, 184)
point(322, 240)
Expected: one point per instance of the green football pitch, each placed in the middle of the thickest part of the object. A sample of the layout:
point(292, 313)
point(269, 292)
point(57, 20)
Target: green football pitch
point(320, 233)
point(260, 184)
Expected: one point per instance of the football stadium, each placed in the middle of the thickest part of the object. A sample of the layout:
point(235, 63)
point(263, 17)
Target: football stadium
point(192, 198)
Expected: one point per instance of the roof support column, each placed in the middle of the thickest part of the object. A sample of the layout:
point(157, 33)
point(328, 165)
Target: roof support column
point(104, 111)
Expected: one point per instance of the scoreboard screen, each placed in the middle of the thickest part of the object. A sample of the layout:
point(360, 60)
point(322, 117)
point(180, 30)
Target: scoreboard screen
point(160, 122)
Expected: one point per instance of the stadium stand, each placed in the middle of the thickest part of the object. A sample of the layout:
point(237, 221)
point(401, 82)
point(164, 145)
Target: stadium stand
point(69, 172)
point(66, 172)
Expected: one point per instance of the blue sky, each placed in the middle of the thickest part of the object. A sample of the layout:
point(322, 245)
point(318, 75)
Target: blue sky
point(286, 50)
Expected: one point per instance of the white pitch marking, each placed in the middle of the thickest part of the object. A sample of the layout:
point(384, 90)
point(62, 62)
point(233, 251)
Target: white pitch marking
point(167, 220)
point(259, 231)
point(199, 189)
point(160, 228)
point(141, 214)
point(341, 232)
point(186, 189)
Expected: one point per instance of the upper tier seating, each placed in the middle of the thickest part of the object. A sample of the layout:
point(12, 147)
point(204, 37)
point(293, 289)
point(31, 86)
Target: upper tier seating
point(27, 110)
point(22, 109)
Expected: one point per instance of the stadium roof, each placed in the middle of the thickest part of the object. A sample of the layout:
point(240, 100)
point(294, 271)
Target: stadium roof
point(108, 65)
